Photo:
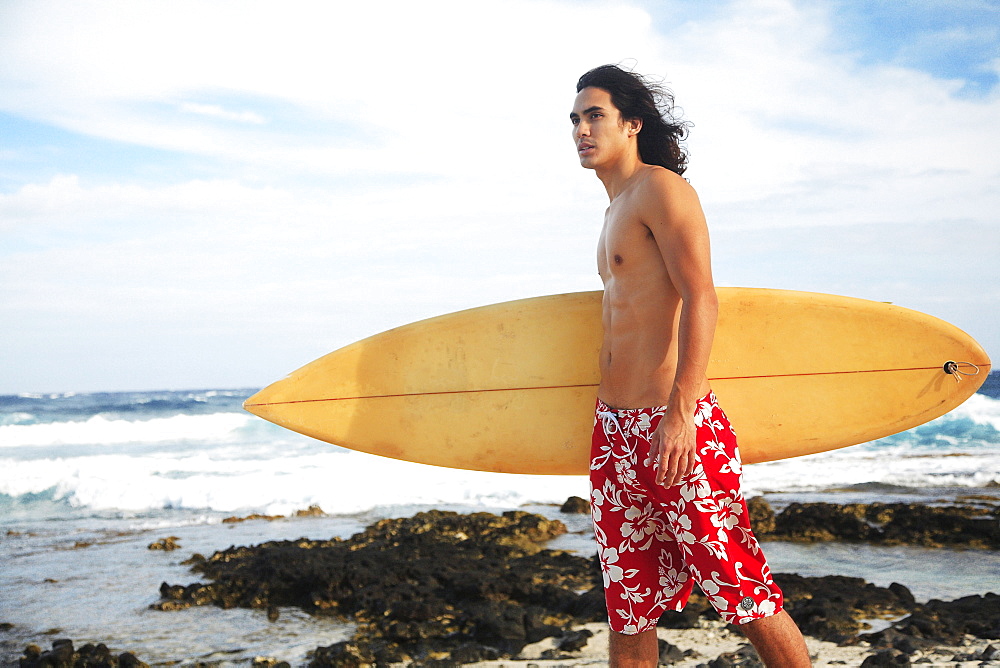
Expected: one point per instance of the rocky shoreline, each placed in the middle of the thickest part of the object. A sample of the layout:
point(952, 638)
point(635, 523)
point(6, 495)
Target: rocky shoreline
point(441, 588)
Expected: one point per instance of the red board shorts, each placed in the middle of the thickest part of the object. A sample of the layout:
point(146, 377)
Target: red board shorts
point(655, 542)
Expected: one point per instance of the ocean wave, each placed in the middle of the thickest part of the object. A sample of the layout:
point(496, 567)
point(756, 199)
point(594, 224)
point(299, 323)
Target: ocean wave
point(859, 466)
point(218, 458)
point(339, 482)
point(39, 409)
point(101, 430)
point(979, 408)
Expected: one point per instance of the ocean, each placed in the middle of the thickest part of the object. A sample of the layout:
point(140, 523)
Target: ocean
point(88, 481)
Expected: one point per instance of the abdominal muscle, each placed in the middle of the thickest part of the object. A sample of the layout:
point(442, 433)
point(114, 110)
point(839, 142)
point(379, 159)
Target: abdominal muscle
point(638, 358)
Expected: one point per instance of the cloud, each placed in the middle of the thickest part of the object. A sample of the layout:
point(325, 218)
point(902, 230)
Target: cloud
point(319, 176)
point(216, 111)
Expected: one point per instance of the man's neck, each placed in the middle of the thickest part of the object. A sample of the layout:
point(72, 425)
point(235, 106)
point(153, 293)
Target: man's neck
point(617, 177)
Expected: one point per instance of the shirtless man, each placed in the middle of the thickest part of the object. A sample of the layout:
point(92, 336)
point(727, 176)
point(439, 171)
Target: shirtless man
point(665, 471)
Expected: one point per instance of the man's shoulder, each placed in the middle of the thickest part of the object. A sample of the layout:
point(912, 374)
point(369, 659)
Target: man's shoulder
point(661, 187)
point(660, 178)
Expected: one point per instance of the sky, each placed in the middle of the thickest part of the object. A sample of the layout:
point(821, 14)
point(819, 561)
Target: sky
point(211, 194)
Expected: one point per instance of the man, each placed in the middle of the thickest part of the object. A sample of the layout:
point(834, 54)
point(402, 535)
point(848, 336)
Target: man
point(665, 469)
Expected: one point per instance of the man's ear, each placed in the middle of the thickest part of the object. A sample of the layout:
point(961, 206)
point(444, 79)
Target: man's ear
point(634, 126)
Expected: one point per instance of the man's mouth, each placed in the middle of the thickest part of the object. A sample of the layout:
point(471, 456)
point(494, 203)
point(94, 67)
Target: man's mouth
point(583, 147)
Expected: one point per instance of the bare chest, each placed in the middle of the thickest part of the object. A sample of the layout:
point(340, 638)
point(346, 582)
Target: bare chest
point(625, 245)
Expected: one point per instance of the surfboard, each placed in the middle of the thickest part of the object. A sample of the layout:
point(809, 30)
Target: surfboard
point(511, 387)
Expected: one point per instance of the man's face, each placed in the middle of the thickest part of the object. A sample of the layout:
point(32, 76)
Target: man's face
point(598, 131)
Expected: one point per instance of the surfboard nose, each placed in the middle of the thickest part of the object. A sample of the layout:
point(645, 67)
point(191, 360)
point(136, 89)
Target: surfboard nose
point(258, 401)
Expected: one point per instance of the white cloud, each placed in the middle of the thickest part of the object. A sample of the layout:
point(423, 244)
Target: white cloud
point(381, 171)
point(216, 111)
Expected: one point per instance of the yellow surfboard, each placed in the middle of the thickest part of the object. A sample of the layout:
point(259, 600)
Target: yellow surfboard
point(511, 387)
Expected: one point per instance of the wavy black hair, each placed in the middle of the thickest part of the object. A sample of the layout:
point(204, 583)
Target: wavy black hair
point(636, 97)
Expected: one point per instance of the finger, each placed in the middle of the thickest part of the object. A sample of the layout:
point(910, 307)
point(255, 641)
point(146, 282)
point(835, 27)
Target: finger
point(691, 461)
point(682, 466)
point(673, 468)
point(661, 468)
point(685, 466)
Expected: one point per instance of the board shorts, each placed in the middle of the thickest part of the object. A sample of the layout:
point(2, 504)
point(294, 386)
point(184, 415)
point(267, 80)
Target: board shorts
point(656, 542)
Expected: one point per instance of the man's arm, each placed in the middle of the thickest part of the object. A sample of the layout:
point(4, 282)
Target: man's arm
point(673, 213)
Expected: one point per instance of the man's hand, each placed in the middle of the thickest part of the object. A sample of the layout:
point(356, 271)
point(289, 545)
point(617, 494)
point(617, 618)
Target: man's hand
point(673, 448)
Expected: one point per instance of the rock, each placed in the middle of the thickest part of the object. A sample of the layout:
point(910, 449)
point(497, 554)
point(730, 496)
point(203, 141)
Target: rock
point(574, 641)
point(31, 652)
point(761, 516)
point(419, 587)
point(670, 654)
point(129, 660)
point(252, 516)
point(830, 607)
point(745, 657)
point(63, 655)
point(342, 655)
point(886, 657)
point(949, 621)
point(892, 638)
point(903, 594)
point(312, 511)
point(438, 587)
point(975, 526)
point(696, 610)
point(576, 506)
point(268, 662)
point(167, 544)
point(811, 522)
point(991, 653)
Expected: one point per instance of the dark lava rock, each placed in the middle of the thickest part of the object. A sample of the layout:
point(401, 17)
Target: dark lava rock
point(949, 621)
point(441, 588)
point(745, 657)
point(890, 524)
point(762, 518)
point(941, 623)
point(991, 653)
point(886, 657)
point(312, 511)
point(419, 588)
point(830, 607)
point(812, 522)
point(697, 608)
point(63, 655)
point(576, 506)
point(166, 544)
point(574, 641)
point(671, 654)
point(892, 638)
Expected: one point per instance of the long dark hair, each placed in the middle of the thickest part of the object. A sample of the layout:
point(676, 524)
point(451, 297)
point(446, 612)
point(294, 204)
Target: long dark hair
point(662, 131)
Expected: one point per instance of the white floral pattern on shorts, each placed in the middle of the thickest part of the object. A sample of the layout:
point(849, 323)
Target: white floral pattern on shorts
point(655, 542)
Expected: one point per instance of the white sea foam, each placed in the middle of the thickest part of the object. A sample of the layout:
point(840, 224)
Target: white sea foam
point(231, 461)
point(102, 430)
point(856, 466)
point(338, 481)
point(980, 409)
